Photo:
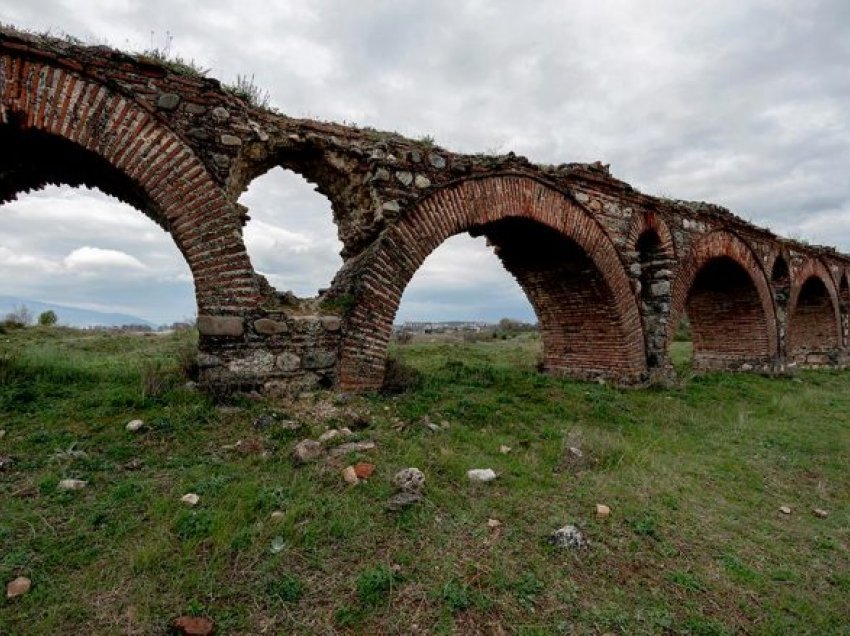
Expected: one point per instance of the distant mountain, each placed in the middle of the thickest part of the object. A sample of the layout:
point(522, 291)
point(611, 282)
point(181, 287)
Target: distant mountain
point(71, 316)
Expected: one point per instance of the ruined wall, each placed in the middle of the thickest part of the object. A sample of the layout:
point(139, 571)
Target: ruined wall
point(609, 271)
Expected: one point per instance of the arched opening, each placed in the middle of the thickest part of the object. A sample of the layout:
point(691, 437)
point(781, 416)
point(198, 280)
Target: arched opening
point(291, 238)
point(727, 321)
point(563, 261)
point(78, 240)
point(812, 325)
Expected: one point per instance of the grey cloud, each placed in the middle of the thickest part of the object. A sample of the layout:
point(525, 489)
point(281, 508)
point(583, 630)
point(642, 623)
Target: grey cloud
point(741, 102)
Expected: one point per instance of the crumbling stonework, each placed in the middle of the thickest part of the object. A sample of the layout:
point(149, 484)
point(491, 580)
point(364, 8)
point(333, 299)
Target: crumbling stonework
point(608, 270)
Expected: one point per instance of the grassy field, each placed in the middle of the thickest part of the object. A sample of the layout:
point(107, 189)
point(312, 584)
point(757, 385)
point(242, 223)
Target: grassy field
point(694, 477)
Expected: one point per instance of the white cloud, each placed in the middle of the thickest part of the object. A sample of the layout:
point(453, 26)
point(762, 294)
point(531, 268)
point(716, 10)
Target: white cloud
point(95, 258)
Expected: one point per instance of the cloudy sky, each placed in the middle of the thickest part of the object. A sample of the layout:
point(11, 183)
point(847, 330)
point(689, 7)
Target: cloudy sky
point(742, 102)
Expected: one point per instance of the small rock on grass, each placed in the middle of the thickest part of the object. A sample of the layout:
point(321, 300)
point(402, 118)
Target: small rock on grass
point(568, 537)
point(504, 450)
point(5, 462)
point(277, 515)
point(351, 447)
point(350, 476)
point(135, 425)
point(785, 510)
point(493, 524)
point(410, 480)
point(481, 474)
point(307, 450)
point(820, 512)
point(2, 433)
point(402, 500)
point(364, 470)
point(18, 587)
point(190, 499)
point(72, 484)
point(193, 626)
point(602, 510)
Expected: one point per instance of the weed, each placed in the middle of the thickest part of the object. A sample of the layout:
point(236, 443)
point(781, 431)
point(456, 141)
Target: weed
point(287, 589)
point(374, 585)
point(247, 90)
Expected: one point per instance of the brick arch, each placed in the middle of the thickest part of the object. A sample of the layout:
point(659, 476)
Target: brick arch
point(736, 322)
point(168, 181)
point(499, 206)
point(814, 320)
point(651, 221)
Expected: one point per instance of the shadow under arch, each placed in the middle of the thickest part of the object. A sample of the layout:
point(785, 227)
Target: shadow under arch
point(726, 296)
point(562, 259)
point(814, 321)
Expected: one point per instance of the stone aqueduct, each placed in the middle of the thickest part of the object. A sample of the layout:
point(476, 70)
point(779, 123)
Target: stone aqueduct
point(609, 271)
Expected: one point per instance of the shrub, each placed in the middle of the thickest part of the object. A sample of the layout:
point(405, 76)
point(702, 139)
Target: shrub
point(19, 317)
point(47, 318)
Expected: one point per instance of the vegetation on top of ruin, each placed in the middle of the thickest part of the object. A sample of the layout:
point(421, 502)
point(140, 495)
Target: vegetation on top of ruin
point(694, 476)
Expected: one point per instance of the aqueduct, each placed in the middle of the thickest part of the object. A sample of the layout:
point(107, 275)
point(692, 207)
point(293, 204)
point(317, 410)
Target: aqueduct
point(608, 270)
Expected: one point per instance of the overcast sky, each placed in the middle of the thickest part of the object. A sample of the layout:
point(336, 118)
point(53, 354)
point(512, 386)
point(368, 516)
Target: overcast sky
point(743, 103)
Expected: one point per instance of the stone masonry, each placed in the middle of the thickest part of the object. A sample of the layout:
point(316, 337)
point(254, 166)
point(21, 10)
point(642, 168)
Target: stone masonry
point(609, 271)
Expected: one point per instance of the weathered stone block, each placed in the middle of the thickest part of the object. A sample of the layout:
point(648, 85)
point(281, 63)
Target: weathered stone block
point(221, 326)
point(168, 101)
point(220, 114)
point(256, 363)
point(288, 362)
point(268, 327)
point(661, 288)
point(230, 140)
point(319, 359)
point(331, 323)
point(207, 361)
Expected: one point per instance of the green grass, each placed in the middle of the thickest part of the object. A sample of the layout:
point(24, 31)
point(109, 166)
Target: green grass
point(694, 476)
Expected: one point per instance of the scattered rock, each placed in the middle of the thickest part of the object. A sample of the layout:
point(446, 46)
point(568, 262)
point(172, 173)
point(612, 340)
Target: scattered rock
point(307, 450)
point(5, 462)
point(602, 510)
point(481, 474)
point(493, 524)
point(568, 537)
point(133, 464)
point(333, 433)
point(190, 499)
point(402, 500)
point(504, 450)
point(575, 452)
point(785, 510)
point(410, 480)
point(135, 425)
point(820, 512)
point(278, 544)
point(351, 447)
point(72, 484)
point(193, 626)
point(18, 587)
point(364, 470)
point(2, 433)
point(350, 476)
point(277, 515)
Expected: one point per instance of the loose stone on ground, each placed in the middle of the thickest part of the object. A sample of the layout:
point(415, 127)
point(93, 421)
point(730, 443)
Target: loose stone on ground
point(18, 587)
